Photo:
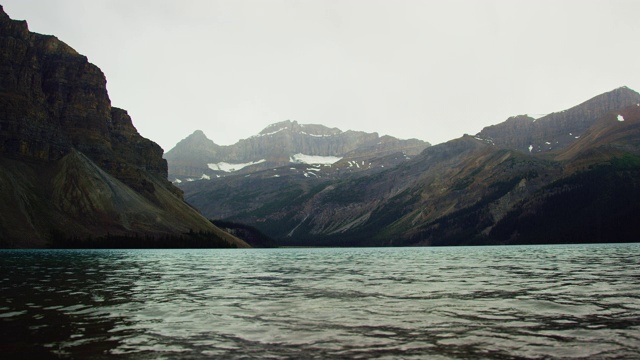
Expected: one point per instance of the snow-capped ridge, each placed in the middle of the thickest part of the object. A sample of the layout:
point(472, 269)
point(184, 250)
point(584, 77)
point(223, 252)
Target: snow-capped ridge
point(269, 133)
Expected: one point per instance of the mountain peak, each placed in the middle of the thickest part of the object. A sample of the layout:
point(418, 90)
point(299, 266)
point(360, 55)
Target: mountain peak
point(625, 88)
point(198, 137)
point(293, 127)
point(194, 143)
point(279, 126)
point(557, 130)
point(198, 134)
point(623, 93)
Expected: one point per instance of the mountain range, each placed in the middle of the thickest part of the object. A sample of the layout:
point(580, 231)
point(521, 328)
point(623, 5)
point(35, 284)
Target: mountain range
point(291, 144)
point(74, 171)
point(569, 176)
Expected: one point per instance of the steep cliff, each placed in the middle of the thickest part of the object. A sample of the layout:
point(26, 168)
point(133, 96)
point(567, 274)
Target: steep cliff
point(71, 163)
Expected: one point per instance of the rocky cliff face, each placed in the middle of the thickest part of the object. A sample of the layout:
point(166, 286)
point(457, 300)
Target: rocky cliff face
point(72, 163)
point(277, 145)
point(54, 100)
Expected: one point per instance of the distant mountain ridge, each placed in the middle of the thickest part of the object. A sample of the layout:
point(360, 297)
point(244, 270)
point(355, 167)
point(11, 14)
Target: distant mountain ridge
point(197, 157)
point(558, 130)
point(571, 176)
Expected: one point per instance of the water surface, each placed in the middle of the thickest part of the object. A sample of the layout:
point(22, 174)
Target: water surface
point(579, 301)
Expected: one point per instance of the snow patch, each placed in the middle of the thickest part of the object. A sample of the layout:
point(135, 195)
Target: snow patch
point(620, 117)
point(228, 167)
point(205, 177)
point(297, 226)
point(267, 134)
point(536, 116)
point(488, 141)
point(314, 159)
point(177, 181)
point(353, 163)
point(530, 148)
point(314, 135)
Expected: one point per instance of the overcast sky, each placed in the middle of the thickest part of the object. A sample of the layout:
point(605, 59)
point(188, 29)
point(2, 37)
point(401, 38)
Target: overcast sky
point(432, 70)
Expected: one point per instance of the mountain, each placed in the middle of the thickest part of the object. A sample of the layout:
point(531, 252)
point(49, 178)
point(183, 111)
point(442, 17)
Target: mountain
point(571, 176)
point(286, 143)
point(557, 130)
point(74, 168)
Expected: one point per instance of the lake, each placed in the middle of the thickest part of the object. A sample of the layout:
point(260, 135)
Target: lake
point(574, 301)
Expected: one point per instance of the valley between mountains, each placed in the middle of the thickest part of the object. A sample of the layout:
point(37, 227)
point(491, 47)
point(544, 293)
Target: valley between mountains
point(567, 177)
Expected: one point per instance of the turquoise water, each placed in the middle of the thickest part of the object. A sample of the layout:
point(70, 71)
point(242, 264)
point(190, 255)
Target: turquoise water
point(579, 301)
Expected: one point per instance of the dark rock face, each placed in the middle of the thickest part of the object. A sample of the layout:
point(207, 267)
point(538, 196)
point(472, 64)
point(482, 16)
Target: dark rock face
point(556, 131)
point(70, 162)
point(58, 91)
point(277, 143)
point(54, 100)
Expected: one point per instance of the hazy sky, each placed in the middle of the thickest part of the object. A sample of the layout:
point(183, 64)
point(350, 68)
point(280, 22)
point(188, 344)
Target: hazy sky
point(432, 70)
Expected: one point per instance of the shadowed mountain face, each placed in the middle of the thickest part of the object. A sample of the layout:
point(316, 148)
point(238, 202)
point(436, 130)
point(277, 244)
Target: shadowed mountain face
point(571, 176)
point(70, 163)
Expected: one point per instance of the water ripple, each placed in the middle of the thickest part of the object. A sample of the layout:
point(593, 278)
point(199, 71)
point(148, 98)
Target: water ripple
point(533, 302)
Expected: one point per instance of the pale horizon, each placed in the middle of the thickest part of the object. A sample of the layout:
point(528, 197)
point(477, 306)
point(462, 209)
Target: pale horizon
point(431, 70)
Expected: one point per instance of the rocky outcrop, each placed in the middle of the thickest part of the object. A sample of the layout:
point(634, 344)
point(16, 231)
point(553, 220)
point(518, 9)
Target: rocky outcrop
point(71, 163)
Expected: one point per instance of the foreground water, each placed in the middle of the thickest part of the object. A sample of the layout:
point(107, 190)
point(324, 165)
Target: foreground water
point(467, 302)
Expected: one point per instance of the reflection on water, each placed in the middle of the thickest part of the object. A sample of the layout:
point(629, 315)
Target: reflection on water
point(480, 302)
